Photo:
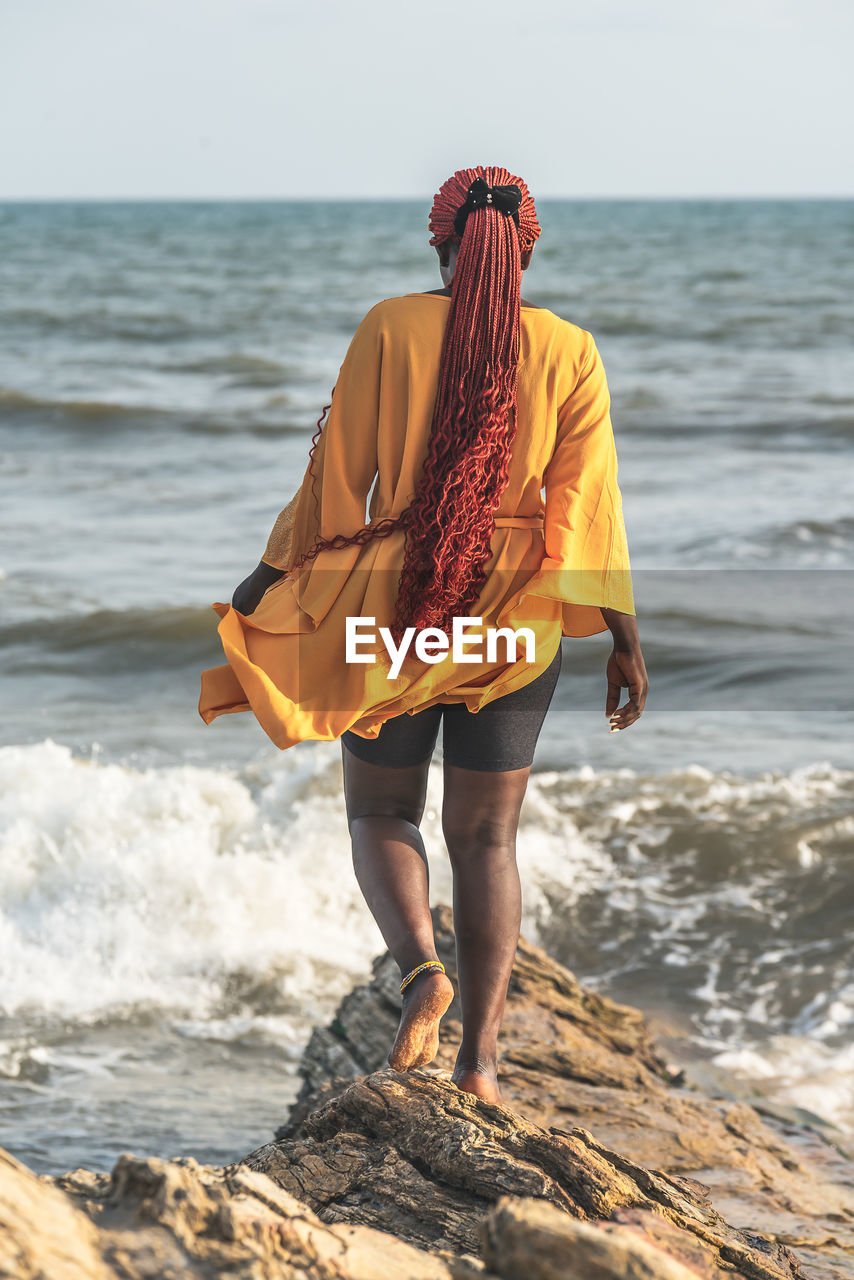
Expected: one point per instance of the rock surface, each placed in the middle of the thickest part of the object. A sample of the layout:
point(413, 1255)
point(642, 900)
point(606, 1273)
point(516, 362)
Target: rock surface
point(571, 1058)
point(600, 1165)
point(162, 1219)
point(413, 1155)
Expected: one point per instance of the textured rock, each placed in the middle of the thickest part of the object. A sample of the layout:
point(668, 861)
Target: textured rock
point(41, 1233)
point(571, 1058)
point(158, 1219)
point(531, 1240)
point(412, 1154)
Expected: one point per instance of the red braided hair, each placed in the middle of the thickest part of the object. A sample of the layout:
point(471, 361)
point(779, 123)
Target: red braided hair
point(450, 521)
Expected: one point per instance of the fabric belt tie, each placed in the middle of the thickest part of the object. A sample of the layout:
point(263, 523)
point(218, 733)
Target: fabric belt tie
point(501, 522)
point(518, 522)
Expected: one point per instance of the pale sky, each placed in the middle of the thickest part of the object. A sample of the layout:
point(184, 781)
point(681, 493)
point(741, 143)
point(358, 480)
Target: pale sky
point(342, 98)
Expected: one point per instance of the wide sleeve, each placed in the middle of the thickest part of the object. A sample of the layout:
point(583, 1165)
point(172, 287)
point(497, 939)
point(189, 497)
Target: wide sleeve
point(586, 563)
point(332, 498)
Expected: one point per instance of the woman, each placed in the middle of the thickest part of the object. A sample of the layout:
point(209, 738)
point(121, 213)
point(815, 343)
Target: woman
point(454, 409)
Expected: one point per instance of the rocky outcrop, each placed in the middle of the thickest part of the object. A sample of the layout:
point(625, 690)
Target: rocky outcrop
point(41, 1232)
point(574, 1060)
point(412, 1154)
point(601, 1165)
point(161, 1220)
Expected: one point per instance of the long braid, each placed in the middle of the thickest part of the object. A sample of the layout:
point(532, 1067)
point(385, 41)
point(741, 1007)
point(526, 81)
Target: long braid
point(451, 518)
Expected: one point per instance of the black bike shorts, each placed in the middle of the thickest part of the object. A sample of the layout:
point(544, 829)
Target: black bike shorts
point(502, 735)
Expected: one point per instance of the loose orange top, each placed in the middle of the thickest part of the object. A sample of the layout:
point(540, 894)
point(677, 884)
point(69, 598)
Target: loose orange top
point(556, 560)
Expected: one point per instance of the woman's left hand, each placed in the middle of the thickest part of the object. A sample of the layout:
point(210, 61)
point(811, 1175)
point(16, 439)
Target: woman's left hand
point(248, 595)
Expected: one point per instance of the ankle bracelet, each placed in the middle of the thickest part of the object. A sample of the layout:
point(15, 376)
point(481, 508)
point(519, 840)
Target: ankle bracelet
point(428, 964)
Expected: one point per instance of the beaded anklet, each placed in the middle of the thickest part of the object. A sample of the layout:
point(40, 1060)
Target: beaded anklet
point(428, 964)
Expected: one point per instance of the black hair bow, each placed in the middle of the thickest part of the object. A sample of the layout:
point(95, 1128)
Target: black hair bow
point(480, 196)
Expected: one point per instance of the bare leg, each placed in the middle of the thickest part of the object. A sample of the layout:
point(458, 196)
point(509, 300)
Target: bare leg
point(384, 809)
point(480, 817)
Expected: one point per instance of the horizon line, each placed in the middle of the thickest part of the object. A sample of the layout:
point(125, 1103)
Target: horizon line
point(379, 199)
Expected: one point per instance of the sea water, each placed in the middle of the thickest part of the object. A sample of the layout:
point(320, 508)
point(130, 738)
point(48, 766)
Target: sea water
point(177, 902)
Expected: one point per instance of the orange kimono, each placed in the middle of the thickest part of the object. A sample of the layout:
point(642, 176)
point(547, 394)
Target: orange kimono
point(554, 563)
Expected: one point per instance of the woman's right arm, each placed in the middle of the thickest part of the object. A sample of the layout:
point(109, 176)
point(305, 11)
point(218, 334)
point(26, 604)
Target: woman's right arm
point(625, 670)
point(585, 530)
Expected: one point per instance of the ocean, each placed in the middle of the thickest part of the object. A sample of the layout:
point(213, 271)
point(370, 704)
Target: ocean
point(177, 902)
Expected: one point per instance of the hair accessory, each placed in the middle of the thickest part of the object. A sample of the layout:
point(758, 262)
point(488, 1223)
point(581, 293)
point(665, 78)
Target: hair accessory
point(480, 196)
point(428, 964)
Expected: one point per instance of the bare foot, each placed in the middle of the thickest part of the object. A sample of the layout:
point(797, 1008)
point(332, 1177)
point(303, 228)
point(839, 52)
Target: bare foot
point(424, 1002)
point(482, 1081)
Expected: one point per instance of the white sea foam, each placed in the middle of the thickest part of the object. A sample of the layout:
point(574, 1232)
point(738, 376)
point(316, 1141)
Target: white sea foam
point(122, 888)
point(801, 1072)
point(226, 903)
